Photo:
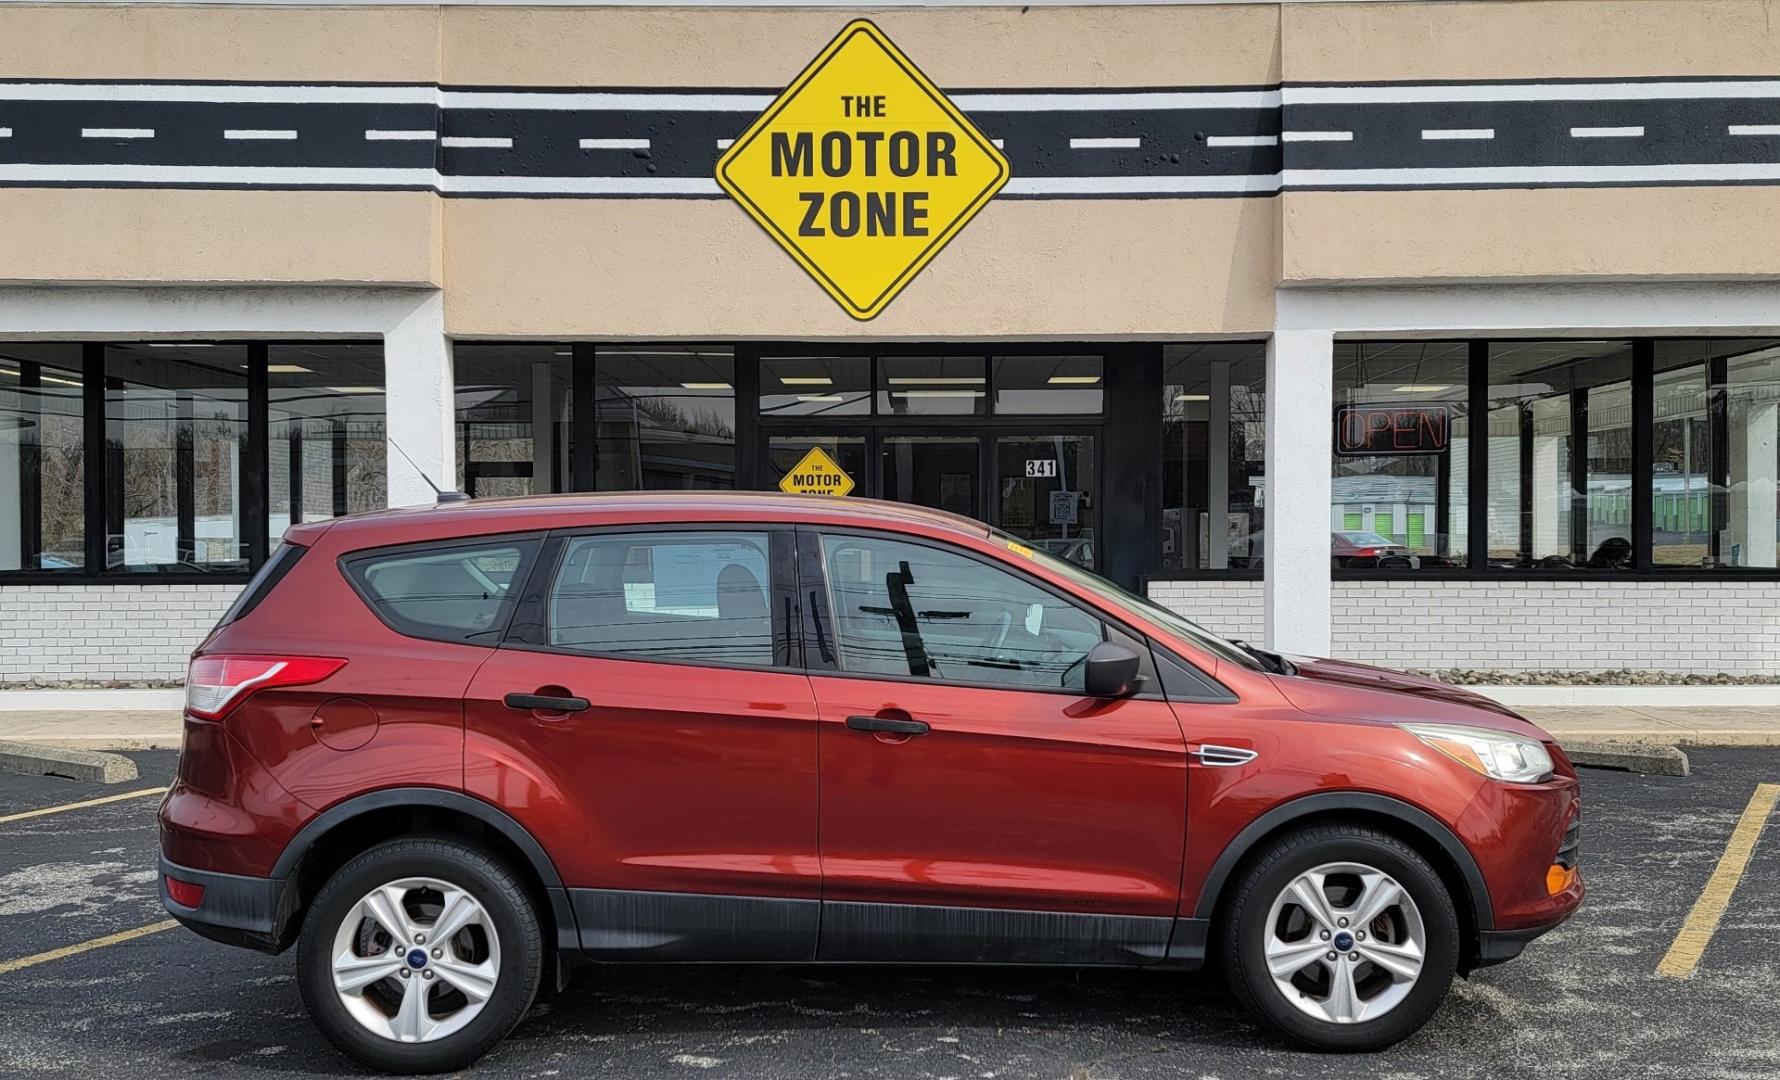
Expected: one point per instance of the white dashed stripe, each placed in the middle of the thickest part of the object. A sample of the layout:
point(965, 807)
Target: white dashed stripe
point(475, 142)
point(117, 133)
point(621, 144)
point(1105, 144)
point(257, 134)
point(1606, 133)
point(1454, 134)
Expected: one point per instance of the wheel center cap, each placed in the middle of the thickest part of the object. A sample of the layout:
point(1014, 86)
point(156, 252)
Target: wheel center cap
point(1343, 942)
point(417, 958)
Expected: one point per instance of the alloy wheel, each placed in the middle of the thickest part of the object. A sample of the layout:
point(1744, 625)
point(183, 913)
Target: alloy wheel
point(415, 959)
point(1345, 942)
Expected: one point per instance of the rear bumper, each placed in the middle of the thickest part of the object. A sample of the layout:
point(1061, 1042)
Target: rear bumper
point(251, 912)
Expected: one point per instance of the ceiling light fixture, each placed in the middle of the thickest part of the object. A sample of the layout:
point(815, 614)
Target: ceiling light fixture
point(1421, 388)
point(1192, 397)
point(938, 380)
point(1073, 380)
point(806, 380)
point(706, 386)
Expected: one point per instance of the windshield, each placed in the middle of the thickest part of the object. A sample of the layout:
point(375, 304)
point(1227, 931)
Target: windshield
point(1364, 539)
point(1222, 648)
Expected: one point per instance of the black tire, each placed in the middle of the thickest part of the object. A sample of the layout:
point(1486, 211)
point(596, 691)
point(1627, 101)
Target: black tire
point(1272, 869)
point(503, 897)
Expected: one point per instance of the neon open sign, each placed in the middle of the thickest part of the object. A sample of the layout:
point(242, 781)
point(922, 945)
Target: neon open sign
point(1369, 430)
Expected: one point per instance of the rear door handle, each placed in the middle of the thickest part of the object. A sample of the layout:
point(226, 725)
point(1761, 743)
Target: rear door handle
point(546, 703)
point(887, 724)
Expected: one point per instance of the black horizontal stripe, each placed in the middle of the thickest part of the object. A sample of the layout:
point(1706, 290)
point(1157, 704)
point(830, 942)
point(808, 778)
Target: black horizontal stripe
point(1174, 145)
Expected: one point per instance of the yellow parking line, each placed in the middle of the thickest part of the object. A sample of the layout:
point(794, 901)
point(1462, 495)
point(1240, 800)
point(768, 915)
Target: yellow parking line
point(82, 805)
point(22, 962)
point(1696, 933)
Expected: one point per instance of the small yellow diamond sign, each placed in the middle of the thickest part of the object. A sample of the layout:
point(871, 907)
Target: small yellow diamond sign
point(862, 170)
point(817, 474)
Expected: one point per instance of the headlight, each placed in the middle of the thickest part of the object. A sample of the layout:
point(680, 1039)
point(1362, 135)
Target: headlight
point(1492, 753)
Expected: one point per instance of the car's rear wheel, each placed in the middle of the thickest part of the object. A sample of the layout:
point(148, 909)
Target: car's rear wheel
point(418, 955)
point(1341, 936)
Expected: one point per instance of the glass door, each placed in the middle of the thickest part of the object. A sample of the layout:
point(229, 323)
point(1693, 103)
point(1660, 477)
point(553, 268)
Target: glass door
point(1047, 491)
point(944, 472)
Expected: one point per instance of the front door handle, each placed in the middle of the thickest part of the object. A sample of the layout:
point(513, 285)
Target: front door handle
point(888, 724)
point(547, 703)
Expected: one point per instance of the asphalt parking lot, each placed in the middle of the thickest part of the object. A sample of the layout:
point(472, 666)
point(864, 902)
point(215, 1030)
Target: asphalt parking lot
point(1585, 1001)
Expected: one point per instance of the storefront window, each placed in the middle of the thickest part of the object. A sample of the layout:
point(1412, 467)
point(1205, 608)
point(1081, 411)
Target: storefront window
point(1402, 436)
point(513, 419)
point(1560, 454)
point(1214, 413)
point(1049, 385)
point(327, 437)
point(42, 462)
point(175, 428)
point(815, 386)
point(1716, 454)
point(931, 385)
point(666, 416)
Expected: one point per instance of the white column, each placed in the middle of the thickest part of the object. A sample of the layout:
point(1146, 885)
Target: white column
point(1300, 410)
point(1217, 468)
point(422, 405)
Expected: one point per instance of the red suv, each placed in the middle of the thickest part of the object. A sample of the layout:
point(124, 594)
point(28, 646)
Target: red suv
point(450, 753)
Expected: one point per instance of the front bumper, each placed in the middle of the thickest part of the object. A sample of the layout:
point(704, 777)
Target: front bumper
point(1500, 946)
point(251, 912)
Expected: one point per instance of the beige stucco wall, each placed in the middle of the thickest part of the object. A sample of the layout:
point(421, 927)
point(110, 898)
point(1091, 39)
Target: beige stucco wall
point(1528, 39)
point(958, 47)
point(667, 268)
point(86, 236)
point(270, 44)
point(1053, 268)
point(1520, 235)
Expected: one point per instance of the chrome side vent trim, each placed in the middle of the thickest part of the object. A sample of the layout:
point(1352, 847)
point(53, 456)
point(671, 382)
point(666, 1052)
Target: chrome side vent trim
point(1222, 757)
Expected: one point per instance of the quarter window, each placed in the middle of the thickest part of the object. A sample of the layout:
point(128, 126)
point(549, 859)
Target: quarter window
point(460, 593)
point(685, 596)
point(907, 609)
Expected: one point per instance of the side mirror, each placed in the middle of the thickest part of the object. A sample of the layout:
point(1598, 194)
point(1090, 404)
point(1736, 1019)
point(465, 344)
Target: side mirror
point(1110, 671)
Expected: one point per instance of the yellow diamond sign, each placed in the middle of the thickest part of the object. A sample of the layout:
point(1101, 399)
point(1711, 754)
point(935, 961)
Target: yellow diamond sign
point(862, 170)
point(817, 474)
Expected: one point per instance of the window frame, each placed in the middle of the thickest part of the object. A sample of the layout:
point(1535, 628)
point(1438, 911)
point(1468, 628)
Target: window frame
point(255, 468)
point(1642, 569)
point(529, 628)
point(818, 620)
point(523, 577)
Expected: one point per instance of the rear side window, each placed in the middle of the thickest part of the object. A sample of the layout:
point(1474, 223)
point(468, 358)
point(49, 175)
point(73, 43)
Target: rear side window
point(459, 592)
point(263, 582)
point(684, 596)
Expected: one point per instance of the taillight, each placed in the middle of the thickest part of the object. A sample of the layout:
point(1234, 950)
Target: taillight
point(216, 684)
point(184, 893)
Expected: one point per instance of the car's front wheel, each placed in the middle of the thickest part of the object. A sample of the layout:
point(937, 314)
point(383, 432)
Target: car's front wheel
point(419, 955)
point(1342, 936)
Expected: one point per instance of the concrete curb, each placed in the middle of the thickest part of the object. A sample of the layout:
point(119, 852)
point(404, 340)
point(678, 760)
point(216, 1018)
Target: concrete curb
point(1643, 758)
point(34, 759)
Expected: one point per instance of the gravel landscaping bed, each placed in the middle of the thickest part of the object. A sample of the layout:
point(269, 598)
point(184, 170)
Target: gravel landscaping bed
point(1466, 677)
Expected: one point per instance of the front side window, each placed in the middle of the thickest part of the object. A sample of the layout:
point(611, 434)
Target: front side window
point(462, 592)
point(906, 609)
point(681, 596)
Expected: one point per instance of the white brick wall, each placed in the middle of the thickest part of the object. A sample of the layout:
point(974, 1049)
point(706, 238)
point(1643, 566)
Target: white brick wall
point(104, 632)
point(1706, 627)
point(138, 632)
